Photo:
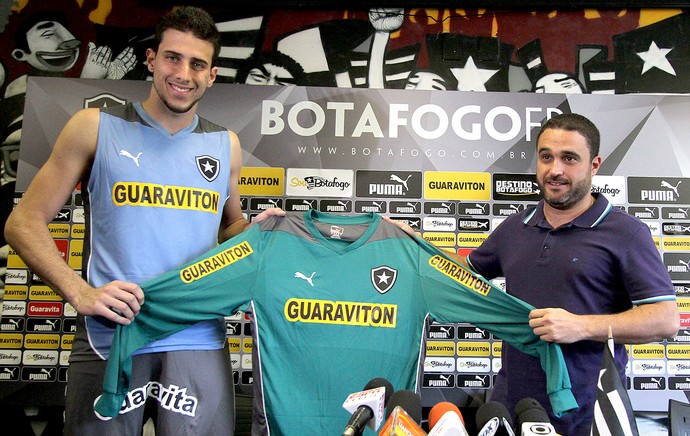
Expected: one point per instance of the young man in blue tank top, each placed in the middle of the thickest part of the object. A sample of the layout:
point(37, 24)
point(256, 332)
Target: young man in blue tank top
point(120, 156)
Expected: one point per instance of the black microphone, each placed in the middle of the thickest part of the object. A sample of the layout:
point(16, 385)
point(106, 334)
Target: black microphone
point(409, 401)
point(369, 406)
point(493, 419)
point(532, 419)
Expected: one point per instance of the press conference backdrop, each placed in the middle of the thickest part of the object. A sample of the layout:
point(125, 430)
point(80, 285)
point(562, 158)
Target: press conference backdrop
point(453, 165)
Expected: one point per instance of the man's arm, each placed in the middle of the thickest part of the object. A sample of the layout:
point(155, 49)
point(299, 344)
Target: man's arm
point(233, 222)
point(27, 232)
point(644, 323)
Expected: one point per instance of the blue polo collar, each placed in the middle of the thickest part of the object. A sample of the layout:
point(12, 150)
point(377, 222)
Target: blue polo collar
point(590, 218)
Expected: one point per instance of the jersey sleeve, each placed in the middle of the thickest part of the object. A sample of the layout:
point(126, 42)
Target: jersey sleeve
point(214, 285)
point(454, 294)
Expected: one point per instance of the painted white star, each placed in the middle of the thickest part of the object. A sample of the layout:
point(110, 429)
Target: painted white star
point(208, 168)
point(471, 78)
point(655, 57)
point(383, 278)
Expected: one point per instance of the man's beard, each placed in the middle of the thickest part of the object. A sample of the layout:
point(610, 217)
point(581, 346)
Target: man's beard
point(566, 201)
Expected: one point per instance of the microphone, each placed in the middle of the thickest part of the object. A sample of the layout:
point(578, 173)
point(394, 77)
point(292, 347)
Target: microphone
point(532, 419)
point(367, 407)
point(445, 419)
point(493, 419)
point(404, 412)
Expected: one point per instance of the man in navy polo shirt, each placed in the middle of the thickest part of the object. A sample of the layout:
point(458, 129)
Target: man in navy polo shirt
point(584, 264)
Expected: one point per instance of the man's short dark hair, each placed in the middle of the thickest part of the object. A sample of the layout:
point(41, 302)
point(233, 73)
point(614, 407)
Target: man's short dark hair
point(575, 123)
point(194, 20)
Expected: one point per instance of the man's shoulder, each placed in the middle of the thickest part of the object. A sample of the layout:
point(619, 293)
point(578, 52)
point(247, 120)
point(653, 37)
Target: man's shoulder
point(207, 126)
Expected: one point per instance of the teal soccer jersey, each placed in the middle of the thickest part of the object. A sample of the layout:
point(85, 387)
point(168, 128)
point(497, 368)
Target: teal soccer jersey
point(338, 300)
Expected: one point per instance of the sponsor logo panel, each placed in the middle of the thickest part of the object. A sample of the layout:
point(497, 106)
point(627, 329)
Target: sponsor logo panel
point(649, 383)
point(676, 244)
point(648, 367)
point(43, 325)
point(12, 324)
point(411, 207)
point(677, 351)
point(476, 381)
point(647, 351)
point(471, 332)
point(39, 374)
point(15, 293)
point(78, 231)
point(11, 340)
point(265, 203)
point(675, 228)
point(14, 261)
point(336, 206)
point(386, 184)
point(471, 239)
point(654, 227)
point(440, 239)
point(440, 185)
point(678, 367)
point(301, 204)
point(473, 364)
point(375, 206)
point(15, 277)
point(473, 224)
point(13, 308)
point(675, 213)
point(507, 209)
point(644, 212)
point(46, 309)
point(316, 182)
point(41, 341)
point(474, 349)
point(9, 373)
point(439, 364)
point(10, 357)
point(439, 208)
point(516, 187)
point(43, 293)
point(679, 383)
point(412, 221)
point(66, 342)
point(612, 187)
point(262, 181)
point(474, 209)
point(42, 358)
point(438, 380)
point(440, 348)
point(439, 224)
point(677, 265)
point(656, 190)
point(441, 331)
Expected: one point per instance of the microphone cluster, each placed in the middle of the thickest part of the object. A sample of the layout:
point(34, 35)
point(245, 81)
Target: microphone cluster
point(402, 411)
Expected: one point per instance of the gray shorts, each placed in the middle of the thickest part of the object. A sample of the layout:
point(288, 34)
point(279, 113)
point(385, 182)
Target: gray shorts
point(183, 392)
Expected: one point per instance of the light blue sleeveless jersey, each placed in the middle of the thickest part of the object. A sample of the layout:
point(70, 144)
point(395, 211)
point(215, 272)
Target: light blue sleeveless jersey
point(153, 202)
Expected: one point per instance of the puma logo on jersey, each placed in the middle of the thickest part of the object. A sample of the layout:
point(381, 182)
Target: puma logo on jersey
point(125, 153)
point(299, 275)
